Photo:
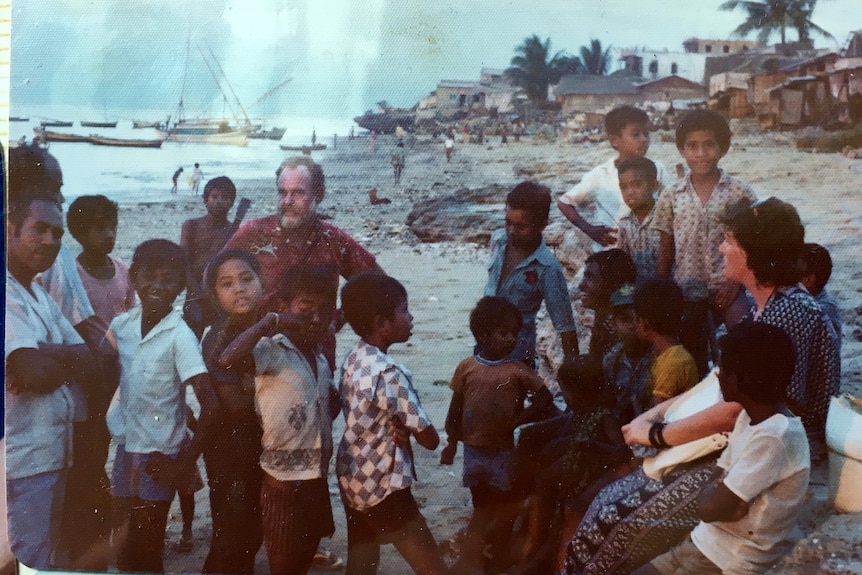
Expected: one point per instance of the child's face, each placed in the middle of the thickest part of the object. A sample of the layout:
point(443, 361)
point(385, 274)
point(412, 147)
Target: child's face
point(218, 202)
point(157, 287)
point(521, 228)
point(637, 190)
point(592, 287)
point(399, 327)
point(238, 288)
point(728, 382)
point(623, 321)
point(100, 238)
point(500, 342)
point(701, 152)
point(631, 142)
point(316, 310)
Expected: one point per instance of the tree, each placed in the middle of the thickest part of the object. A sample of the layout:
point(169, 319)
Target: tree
point(595, 60)
point(533, 70)
point(770, 16)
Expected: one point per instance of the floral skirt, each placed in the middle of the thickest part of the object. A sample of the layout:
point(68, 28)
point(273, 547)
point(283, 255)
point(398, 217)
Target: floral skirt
point(637, 518)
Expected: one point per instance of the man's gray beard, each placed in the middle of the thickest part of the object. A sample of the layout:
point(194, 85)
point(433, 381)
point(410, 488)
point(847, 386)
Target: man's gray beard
point(293, 225)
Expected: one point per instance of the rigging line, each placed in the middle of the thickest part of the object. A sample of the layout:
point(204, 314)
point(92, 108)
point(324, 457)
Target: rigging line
point(224, 76)
point(218, 84)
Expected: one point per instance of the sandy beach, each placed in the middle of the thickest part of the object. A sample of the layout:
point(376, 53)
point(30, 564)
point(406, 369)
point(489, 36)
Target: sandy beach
point(444, 280)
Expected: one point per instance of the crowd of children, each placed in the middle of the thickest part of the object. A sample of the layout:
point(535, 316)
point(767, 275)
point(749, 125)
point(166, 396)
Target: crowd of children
point(256, 352)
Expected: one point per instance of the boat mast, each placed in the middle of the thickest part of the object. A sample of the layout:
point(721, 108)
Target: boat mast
point(230, 87)
point(180, 109)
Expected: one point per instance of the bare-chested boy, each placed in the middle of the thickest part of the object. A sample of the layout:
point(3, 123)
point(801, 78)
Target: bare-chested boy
point(202, 238)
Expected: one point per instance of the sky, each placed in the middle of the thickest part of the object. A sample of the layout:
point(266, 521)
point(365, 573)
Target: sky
point(332, 58)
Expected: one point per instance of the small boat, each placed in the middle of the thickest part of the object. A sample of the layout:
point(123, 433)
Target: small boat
point(304, 149)
point(141, 124)
point(227, 138)
point(18, 119)
point(124, 143)
point(49, 136)
point(98, 124)
point(56, 124)
point(271, 134)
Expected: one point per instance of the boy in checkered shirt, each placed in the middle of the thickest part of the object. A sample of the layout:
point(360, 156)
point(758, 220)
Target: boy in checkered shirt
point(382, 410)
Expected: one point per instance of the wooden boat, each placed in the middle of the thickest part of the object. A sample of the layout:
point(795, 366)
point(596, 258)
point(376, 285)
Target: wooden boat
point(227, 138)
point(49, 136)
point(271, 134)
point(303, 149)
point(56, 124)
point(98, 124)
point(141, 124)
point(18, 119)
point(124, 143)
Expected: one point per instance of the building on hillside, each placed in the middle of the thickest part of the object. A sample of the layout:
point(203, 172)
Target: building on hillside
point(658, 64)
point(717, 47)
point(582, 93)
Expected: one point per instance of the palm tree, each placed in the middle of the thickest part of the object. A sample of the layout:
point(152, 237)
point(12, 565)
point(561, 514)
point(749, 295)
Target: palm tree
point(532, 70)
point(770, 16)
point(595, 60)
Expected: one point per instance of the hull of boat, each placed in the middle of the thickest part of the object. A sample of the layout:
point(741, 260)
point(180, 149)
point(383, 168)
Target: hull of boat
point(50, 136)
point(138, 125)
point(227, 139)
point(57, 124)
point(125, 143)
point(98, 124)
point(304, 149)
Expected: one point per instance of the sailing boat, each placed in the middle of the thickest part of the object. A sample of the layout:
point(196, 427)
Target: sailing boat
point(203, 131)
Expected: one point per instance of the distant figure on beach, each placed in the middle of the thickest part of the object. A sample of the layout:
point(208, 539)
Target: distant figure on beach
point(465, 136)
point(504, 134)
point(449, 145)
point(372, 143)
point(350, 134)
point(174, 179)
point(398, 162)
point(313, 137)
point(197, 176)
point(334, 141)
point(201, 239)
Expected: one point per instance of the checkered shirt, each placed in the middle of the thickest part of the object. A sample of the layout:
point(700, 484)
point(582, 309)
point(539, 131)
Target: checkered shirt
point(374, 388)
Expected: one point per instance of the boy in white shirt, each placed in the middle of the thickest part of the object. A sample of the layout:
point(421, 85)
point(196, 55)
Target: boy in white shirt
point(748, 517)
point(628, 133)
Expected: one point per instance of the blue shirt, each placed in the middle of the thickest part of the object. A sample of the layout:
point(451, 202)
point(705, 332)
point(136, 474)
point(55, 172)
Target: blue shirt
point(539, 277)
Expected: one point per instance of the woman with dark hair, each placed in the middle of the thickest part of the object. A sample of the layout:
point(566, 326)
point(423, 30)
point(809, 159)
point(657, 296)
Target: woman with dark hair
point(638, 517)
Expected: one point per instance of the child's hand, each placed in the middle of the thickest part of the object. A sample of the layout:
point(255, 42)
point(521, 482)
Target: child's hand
point(400, 433)
point(602, 235)
point(447, 456)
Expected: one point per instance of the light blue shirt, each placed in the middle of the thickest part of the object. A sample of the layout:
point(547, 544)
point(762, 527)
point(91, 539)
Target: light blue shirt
point(38, 426)
point(539, 277)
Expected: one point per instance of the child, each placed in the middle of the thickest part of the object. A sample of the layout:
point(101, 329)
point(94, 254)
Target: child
point(197, 176)
point(488, 393)
point(658, 307)
point(568, 465)
point(636, 237)
point(174, 179)
point(449, 145)
point(295, 401)
point(398, 162)
point(689, 217)
point(202, 238)
point(628, 133)
point(157, 356)
point(816, 266)
point(375, 472)
point(524, 271)
point(748, 517)
point(232, 454)
point(92, 221)
point(604, 273)
point(627, 366)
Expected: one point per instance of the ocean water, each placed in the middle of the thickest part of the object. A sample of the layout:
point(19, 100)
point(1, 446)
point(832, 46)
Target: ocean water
point(129, 175)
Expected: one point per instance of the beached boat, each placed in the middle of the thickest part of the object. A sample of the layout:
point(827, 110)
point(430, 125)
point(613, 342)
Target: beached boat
point(226, 138)
point(49, 136)
point(56, 124)
point(124, 142)
point(98, 124)
point(271, 134)
point(18, 119)
point(303, 149)
point(138, 124)
point(386, 122)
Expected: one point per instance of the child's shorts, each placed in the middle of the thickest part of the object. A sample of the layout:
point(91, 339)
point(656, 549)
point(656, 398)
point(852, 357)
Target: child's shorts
point(683, 559)
point(129, 477)
point(383, 522)
point(491, 467)
point(294, 512)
